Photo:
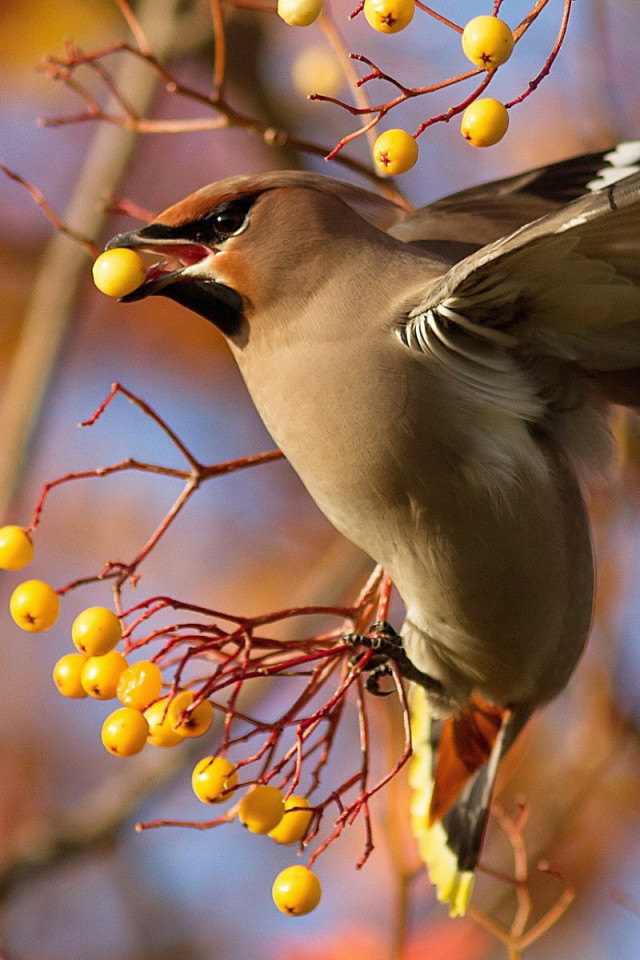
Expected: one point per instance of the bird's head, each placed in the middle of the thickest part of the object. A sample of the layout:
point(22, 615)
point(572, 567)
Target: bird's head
point(239, 245)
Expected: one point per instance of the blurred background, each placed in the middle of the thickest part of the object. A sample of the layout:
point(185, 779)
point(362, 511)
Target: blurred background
point(76, 879)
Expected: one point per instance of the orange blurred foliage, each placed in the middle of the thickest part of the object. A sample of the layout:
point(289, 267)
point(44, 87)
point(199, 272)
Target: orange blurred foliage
point(441, 941)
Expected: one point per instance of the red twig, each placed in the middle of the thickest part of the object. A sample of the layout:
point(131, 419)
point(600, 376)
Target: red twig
point(517, 937)
point(439, 17)
point(220, 48)
point(50, 213)
point(135, 26)
point(224, 113)
point(459, 108)
point(121, 206)
point(193, 477)
point(533, 84)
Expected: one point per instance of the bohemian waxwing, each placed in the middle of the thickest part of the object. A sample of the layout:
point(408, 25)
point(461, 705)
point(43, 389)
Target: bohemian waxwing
point(440, 382)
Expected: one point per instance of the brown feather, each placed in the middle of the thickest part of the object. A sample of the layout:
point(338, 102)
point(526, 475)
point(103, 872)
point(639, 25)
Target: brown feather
point(465, 744)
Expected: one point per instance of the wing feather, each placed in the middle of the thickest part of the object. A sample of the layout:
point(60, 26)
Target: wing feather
point(536, 323)
point(567, 285)
point(605, 222)
point(490, 210)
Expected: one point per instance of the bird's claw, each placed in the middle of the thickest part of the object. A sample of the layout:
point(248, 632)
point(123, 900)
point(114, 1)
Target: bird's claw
point(372, 683)
point(376, 667)
point(388, 645)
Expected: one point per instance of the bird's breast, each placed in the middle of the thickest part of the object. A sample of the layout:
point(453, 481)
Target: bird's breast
point(498, 586)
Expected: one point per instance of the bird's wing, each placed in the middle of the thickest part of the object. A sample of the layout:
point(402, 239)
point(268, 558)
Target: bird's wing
point(543, 325)
point(566, 286)
point(491, 210)
point(563, 181)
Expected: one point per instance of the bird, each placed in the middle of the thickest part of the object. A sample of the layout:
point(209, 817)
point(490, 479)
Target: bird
point(441, 381)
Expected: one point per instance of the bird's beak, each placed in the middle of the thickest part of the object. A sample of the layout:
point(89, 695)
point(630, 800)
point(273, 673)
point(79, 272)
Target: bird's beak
point(175, 275)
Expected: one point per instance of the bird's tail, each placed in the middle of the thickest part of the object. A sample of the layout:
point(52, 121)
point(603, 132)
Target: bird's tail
point(452, 774)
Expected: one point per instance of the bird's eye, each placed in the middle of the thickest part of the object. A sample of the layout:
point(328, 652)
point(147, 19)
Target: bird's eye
point(229, 218)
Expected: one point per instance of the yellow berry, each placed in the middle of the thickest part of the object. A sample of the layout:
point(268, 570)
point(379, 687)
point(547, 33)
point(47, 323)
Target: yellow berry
point(16, 548)
point(125, 732)
point(389, 16)
point(119, 272)
point(140, 684)
point(295, 821)
point(100, 675)
point(161, 734)
point(34, 606)
point(299, 13)
point(296, 891)
point(261, 808)
point(196, 722)
point(487, 41)
point(316, 70)
point(95, 631)
point(395, 151)
point(484, 122)
point(66, 676)
point(213, 778)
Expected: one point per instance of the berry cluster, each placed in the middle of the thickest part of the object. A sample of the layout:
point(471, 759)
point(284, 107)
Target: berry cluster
point(162, 703)
point(149, 716)
point(487, 41)
point(319, 72)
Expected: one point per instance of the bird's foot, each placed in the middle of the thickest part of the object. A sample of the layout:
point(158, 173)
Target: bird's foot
point(377, 668)
point(388, 645)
